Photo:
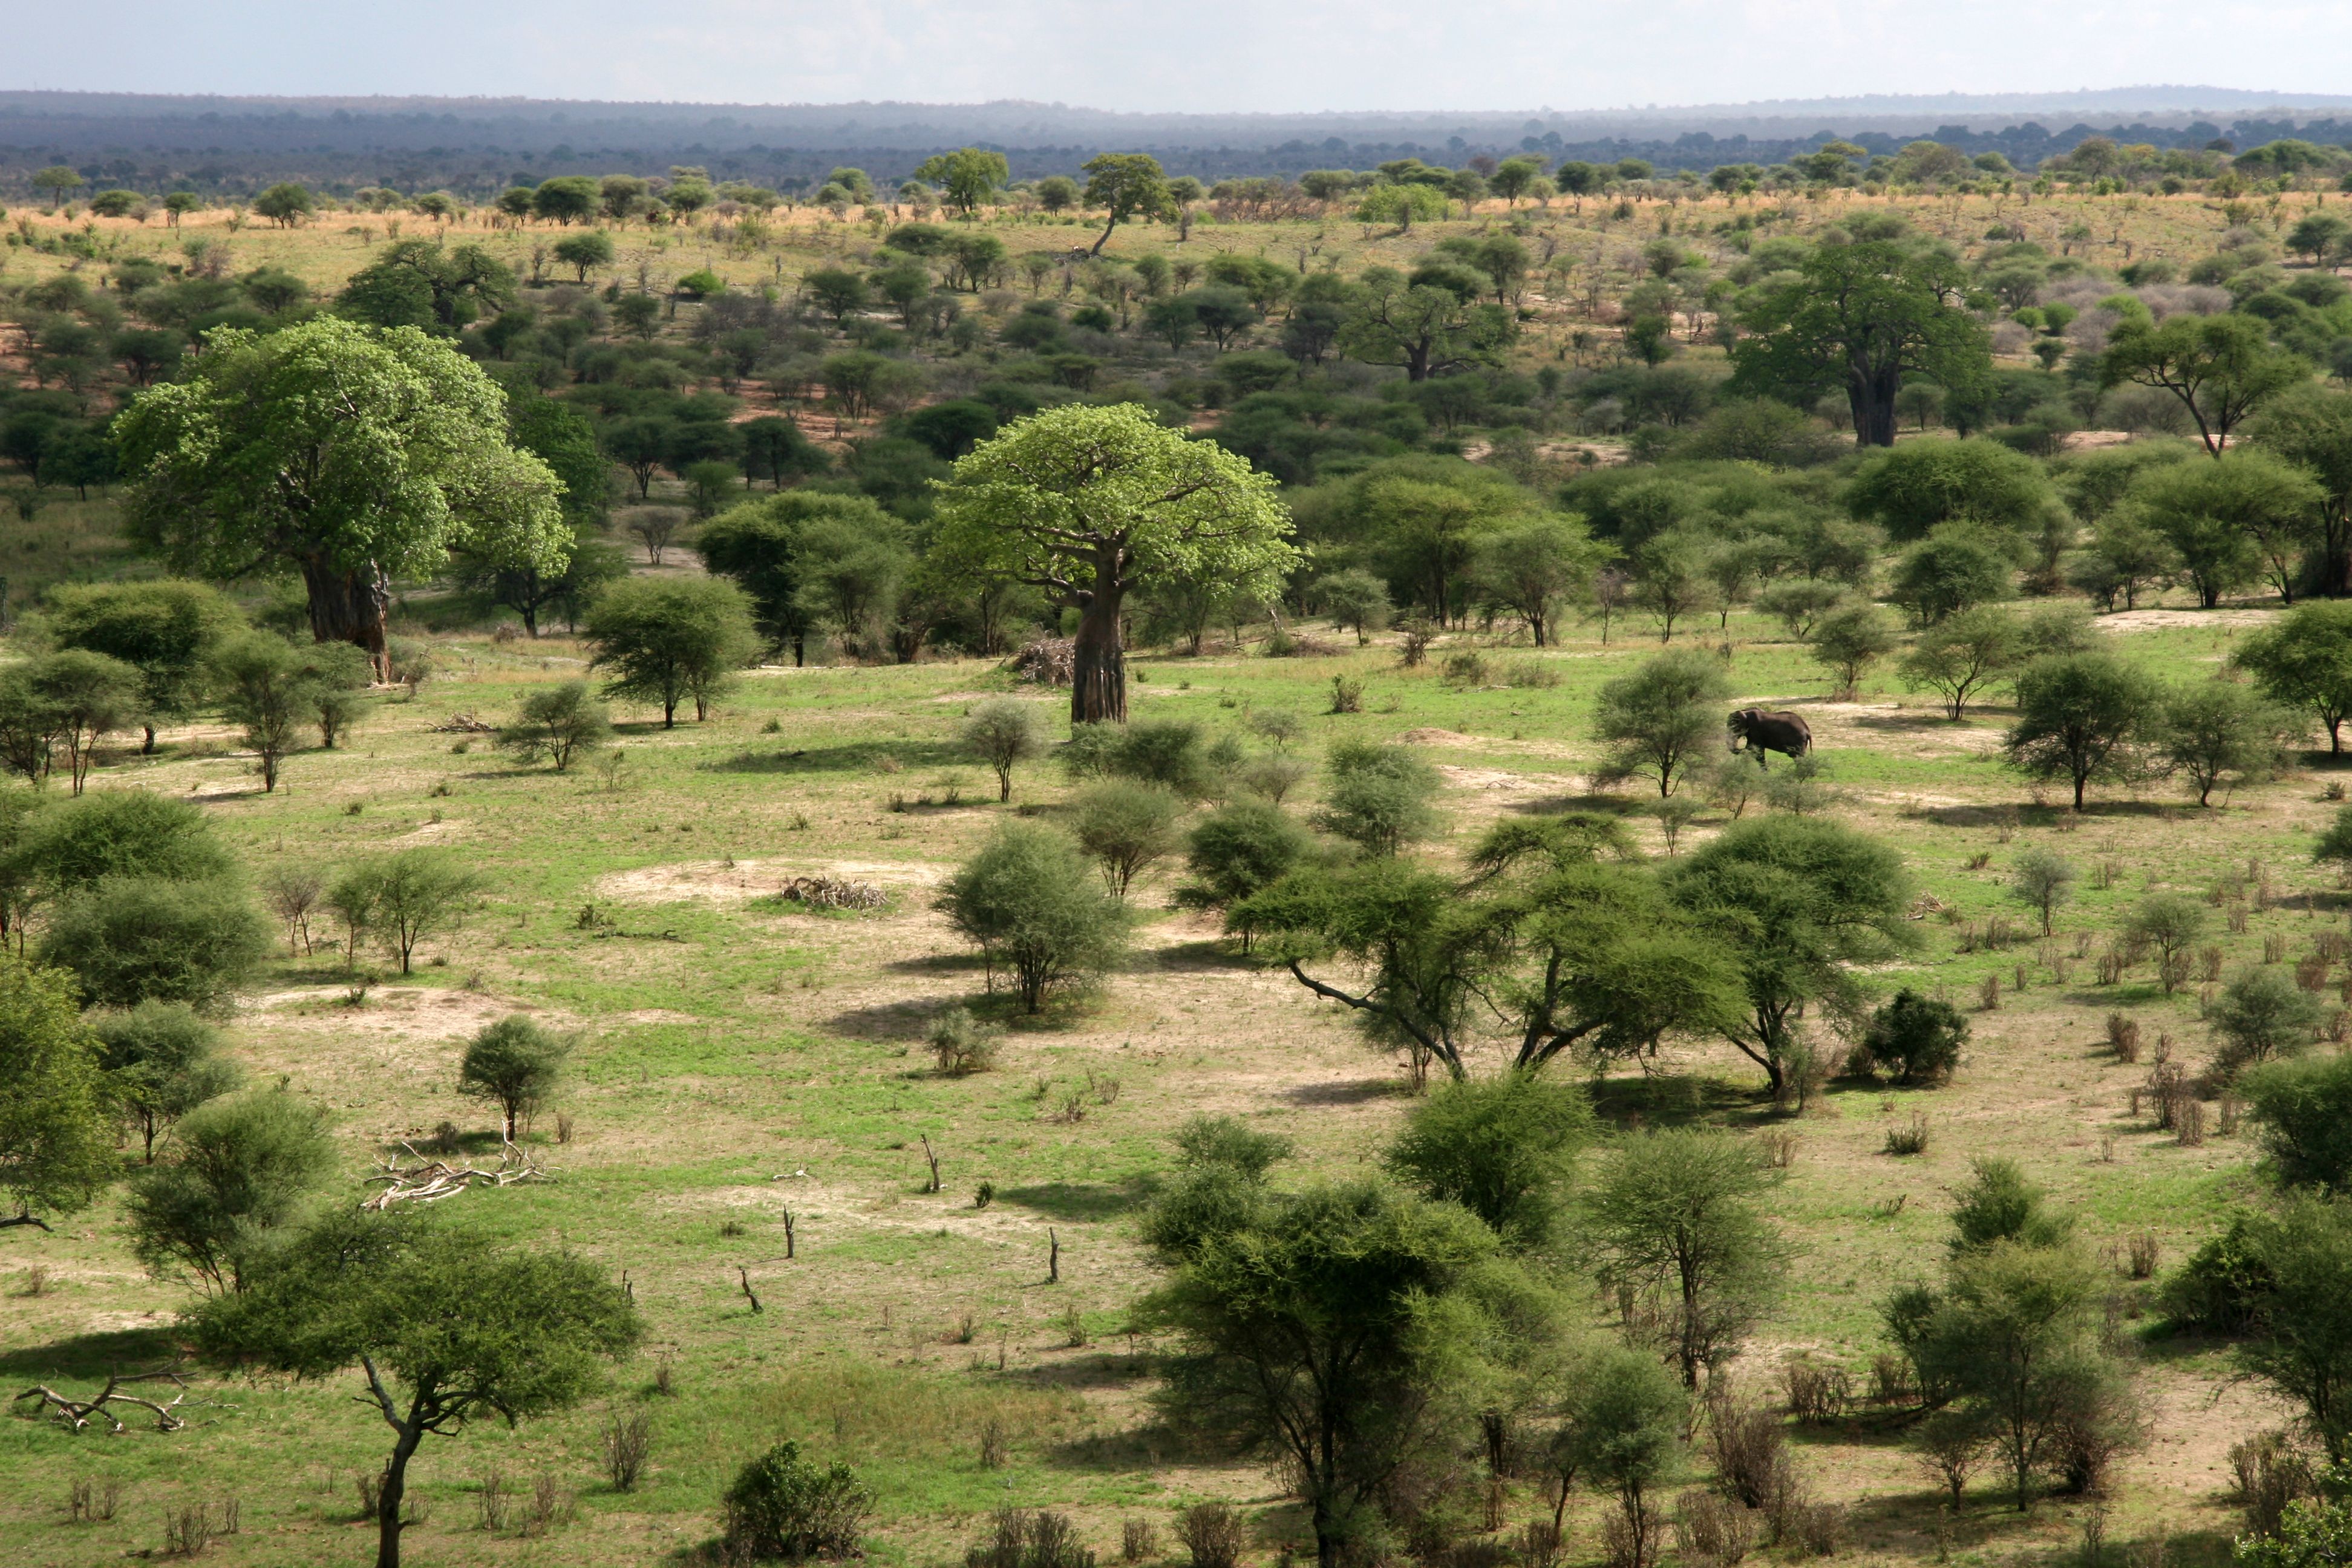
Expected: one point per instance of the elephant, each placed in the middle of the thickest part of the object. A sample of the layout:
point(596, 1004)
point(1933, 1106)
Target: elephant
point(1787, 734)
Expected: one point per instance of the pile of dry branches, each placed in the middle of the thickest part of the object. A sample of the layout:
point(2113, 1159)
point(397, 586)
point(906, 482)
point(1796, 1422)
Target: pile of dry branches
point(429, 1181)
point(78, 1412)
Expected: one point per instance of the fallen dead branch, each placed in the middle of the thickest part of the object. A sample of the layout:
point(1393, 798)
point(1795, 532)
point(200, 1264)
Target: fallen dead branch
point(464, 724)
point(78, 1412)
point(430, 1181)
point(833, 893)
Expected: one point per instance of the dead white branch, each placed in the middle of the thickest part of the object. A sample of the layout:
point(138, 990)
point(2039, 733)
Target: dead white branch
point(78, 1412)
point(429, 1181)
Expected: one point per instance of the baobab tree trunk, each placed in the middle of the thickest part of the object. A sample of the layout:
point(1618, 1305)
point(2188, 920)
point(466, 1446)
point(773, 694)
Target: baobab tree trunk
point(1098, 661)
point(1870, 394)
point(350, 606)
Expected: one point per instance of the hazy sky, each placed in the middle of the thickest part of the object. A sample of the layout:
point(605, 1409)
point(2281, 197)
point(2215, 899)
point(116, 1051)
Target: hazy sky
point(1204, 55)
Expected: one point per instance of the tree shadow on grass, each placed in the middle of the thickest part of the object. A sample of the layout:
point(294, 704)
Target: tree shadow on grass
point(1076, 1201)
point(858, 756)
point(1676, 1099)
point(1213, 954)
point(1349, 1091)
point(91, 1356)
point(1594, 800)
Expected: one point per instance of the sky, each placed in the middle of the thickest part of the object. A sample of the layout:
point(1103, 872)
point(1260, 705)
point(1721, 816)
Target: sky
point(1205, 55)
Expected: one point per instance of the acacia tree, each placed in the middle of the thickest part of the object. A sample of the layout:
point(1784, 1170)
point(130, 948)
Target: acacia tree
point(166, 630)
point(346, 454)
point(1125, 186)
point(2304, 661)
point(56, 1147)
point(1425, 330)
point(1091, 504)
point(2312, 428)
point(966, 177)
point(2080, 718)
point(2219, 367)
point(1862, 318)
point(446, 1327)
point(1798, 900)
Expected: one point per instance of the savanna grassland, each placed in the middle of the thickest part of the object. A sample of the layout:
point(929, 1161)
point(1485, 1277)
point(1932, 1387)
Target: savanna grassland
point(740, 1060)
point(751, 1115)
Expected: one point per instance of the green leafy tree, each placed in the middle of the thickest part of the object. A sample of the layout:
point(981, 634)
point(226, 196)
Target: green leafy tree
point(1798, 900)
point(2311, 427)
point(582, 251)
point(1302, 1327)
point(2313, 1532)
point(1355, 599)
point(2080, 718)
point(2305, 1354)
point(1847, 641)
point(408, 895)
point(264, 689)
point(1962, 653)
point(782, 1507)
point(2042, 879)
point(89, 697)
point(1505, 1148)
point(558, 726)
point(167, 630)
point(1237, 849)
point(134, 939)
point(2221, 368)
point(1533, 569)
point(1126, 828)
point(2302, 1111)
point(1626, 1417)
point(2216, 733)
point(2230, 520)
point(2303, 661)
point(76, 845)
point(236, 1173)
point(1379, 797)
point(1862, 318)
point(54, 180)
point(515, 1064)
point(1089, 504)
point(285, 203)
point(567, 199)
point(666, 641)
point(447, 1328)
point(1423, 329)
point(966, 179)
point(1674, 1215)
point(1003, 734)
point(420, 283)
point(1028, 900)
point(2171, 924)
point(2014, 1335)
point(57, 1149)
point(162, 1061)
point(1955, 570)
point(1124, 186)
point(344, 454)
point(1660, 722)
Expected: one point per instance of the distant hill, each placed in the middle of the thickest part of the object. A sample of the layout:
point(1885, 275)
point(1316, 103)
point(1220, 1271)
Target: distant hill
point(474, 145)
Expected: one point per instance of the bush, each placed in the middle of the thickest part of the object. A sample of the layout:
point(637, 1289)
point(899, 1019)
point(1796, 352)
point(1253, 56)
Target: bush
point(1161, 751)
point(237, 1169)
point(1003, 734)
point(1237, 849)
point(782, 1507)
point(961, 1043)
point(2220, 1289)
point(1379, 797)
point(1125, 828)
point(1502, 1148)
point(164, 1061)
point(557, 726)
point(2261, 1015)
point(2303, 1114)
point(141, 939)
point(1916, 1038)
point(515, 1064)
point(1029, 901)
point(121, 833)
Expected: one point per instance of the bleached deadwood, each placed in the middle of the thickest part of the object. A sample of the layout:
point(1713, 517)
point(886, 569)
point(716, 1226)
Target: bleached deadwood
point(429, 1181)
point(464, 724)
point(78, 1412)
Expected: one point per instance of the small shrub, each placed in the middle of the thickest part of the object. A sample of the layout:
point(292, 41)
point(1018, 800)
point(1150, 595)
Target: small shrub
point(1347, 695)
point(1904, 1142)
point(2272, 1470)
point(1917, 1038)
point(494, 1501)
point(1817, 1393)
point(1712, 1530)
point(2123, 1038)
point(963, 1045)
point(1891, 1381)
point(1751, 1449)
point(628, 1443)
point(551, 1505)
point(993, 1446)
point(1137, 1539)
point(782, 1506)
point(2141, 1253)
point(1464, 669)
point(1211, 1534)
